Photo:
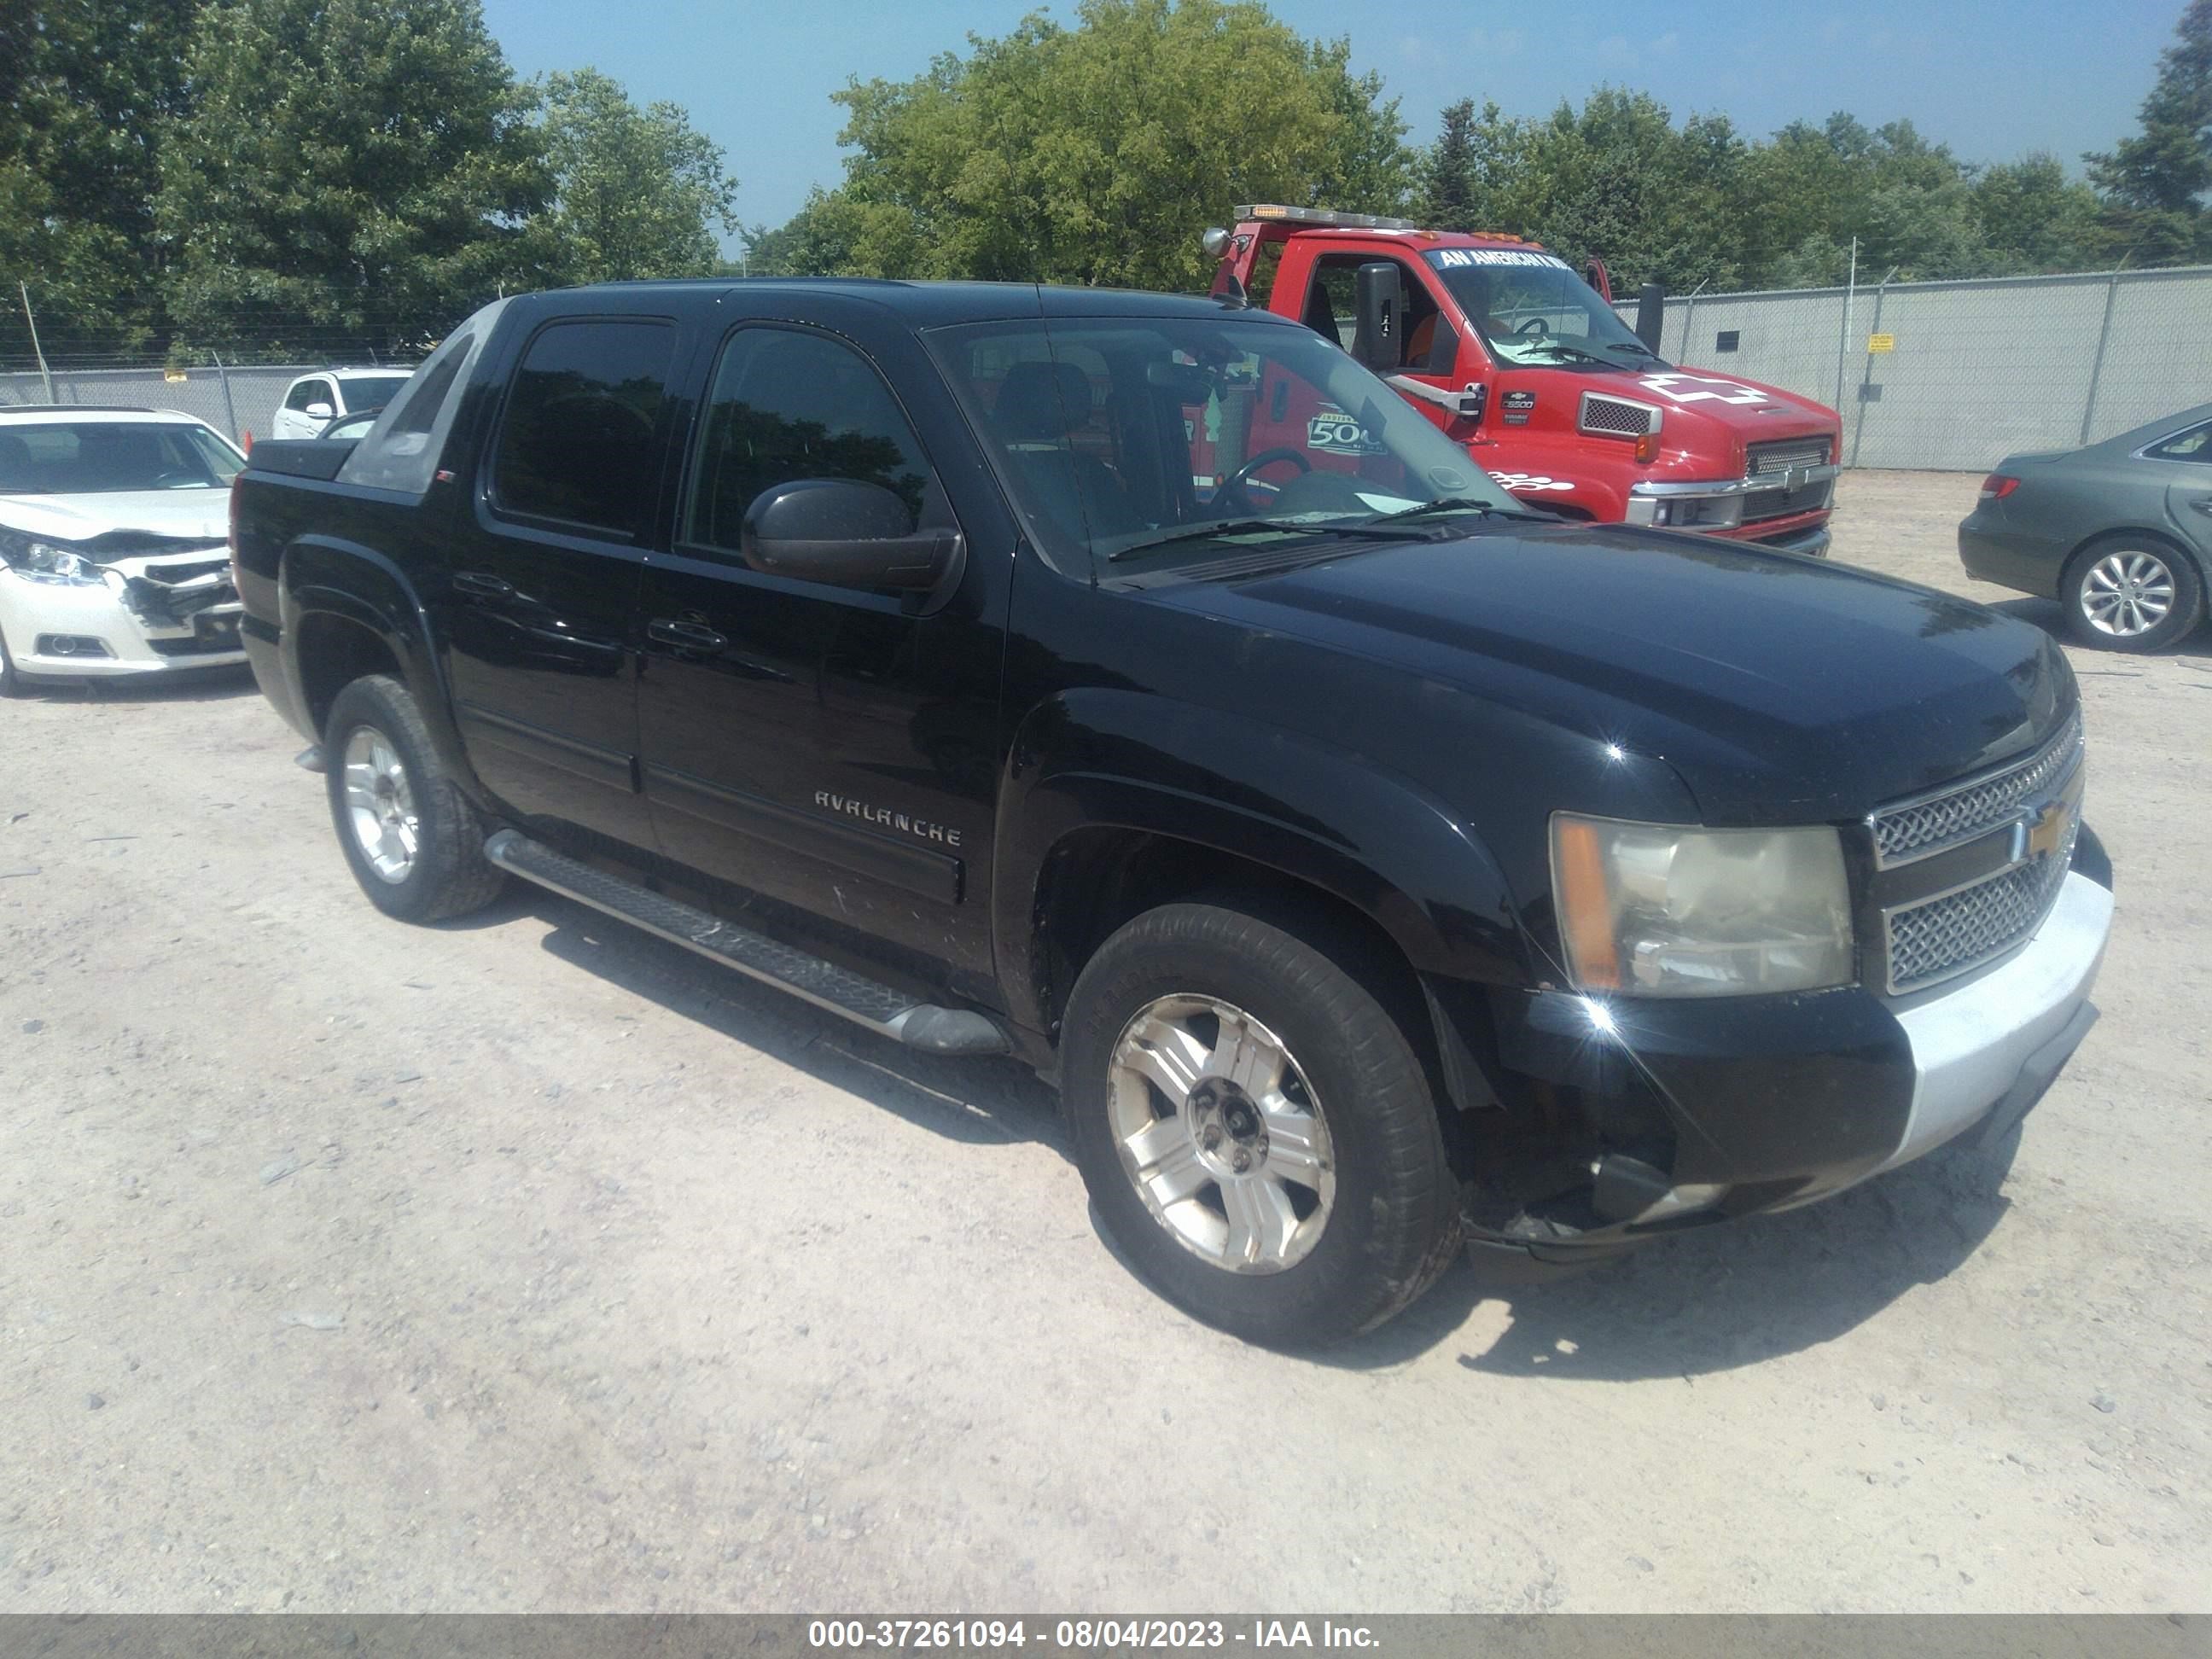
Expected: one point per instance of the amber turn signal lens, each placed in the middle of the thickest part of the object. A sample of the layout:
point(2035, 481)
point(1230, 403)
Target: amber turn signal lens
point(1585, 911)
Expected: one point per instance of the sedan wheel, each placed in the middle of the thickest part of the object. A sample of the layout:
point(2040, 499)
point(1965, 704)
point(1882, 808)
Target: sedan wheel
point(2131, 592)
point(2127, 595)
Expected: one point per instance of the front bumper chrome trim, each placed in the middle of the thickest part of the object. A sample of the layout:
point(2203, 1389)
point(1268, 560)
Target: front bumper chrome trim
point(1971, 1042)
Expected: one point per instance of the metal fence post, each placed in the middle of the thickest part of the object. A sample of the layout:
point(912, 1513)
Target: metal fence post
point(1843, 326)
point(229, 408)
point(2097, 363)
point(1858, 426)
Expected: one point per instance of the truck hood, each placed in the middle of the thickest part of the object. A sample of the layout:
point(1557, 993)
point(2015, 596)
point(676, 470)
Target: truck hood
point(1780, 690)
point(1727, 413)
point(187, 517)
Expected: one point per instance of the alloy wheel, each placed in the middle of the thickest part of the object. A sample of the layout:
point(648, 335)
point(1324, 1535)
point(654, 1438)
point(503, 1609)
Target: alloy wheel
point(1221, 1134)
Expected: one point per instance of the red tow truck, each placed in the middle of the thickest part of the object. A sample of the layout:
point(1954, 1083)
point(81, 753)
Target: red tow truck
point(1522, 359)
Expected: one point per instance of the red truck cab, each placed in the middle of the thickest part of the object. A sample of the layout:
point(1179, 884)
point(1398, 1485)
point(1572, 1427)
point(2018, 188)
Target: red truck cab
point(1519, 358)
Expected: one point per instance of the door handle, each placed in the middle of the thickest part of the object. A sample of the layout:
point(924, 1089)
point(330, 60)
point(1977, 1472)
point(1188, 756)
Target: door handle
point(687, 635)
point(483, 584)
point(2203, 504)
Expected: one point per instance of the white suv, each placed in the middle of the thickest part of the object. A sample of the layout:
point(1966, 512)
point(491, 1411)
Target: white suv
point(313, 401)
point(114, 545)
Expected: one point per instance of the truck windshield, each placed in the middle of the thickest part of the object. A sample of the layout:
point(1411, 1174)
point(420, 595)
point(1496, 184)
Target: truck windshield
point(1533, 311)
point(1152, 442)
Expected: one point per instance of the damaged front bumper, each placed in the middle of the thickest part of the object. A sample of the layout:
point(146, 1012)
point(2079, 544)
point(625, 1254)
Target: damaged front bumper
point(1704, 1111)
point(153, 615)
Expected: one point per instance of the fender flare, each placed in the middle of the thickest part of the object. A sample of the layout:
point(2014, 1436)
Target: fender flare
point(1096, 758)
point(328, 576)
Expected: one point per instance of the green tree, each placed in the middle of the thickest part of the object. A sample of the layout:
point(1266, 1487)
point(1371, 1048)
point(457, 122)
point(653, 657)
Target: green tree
point(636, 192)
point(1096, 154)
point(353, 174)
point(85, 86)
point(1447, 171)
point(2033, 218)
point(2156, 180)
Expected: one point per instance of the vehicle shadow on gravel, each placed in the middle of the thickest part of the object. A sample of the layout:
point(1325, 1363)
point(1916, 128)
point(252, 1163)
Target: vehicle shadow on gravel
point(1728, 1295)
point(2050, 616)
point(982, 1099)
point(209, 685)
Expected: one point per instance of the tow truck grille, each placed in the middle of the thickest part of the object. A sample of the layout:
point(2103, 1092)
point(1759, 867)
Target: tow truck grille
point(1775, 458)
point(1784, 453)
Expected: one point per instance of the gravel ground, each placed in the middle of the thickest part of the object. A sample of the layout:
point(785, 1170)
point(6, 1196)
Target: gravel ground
point(529, 1264)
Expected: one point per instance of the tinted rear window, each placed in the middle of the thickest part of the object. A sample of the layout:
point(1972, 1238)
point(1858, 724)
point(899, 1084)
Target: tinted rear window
point(580, 441)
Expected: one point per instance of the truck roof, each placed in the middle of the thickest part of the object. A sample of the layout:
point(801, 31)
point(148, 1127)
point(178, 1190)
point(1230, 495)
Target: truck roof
point(925, 305)
point(1407, 233)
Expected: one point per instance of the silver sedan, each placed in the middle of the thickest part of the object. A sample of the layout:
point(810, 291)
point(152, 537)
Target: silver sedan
point(2120, 534)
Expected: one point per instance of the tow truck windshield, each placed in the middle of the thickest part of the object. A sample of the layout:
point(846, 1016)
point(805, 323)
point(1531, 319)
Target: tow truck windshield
point(1532, 310)
point(1127, 440)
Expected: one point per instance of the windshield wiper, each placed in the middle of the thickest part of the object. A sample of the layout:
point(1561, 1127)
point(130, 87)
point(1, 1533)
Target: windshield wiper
point(1457, 503)
point(1559, 348)
point(1199, 532)
point(1638, 348)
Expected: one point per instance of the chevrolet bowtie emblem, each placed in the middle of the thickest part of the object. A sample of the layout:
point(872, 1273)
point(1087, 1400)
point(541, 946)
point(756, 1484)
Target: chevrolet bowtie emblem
point(2046, 831)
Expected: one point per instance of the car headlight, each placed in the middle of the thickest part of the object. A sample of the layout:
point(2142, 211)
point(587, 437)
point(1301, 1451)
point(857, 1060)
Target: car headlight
point(43, 562)
point(1663, 910)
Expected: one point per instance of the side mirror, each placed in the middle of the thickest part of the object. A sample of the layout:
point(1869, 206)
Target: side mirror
point(844, 533)
point(1379, 303)
point(319, 411)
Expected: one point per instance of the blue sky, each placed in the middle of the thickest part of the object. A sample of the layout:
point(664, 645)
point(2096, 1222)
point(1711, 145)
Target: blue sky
point(1992, 78)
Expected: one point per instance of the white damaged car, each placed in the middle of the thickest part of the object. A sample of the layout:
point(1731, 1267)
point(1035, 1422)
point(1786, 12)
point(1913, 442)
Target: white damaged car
point(114, 545)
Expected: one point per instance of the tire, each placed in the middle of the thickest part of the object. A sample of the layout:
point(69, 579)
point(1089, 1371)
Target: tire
point(1376, 1218)
point(426, 862)
point(2123, 578)
point(10, 684)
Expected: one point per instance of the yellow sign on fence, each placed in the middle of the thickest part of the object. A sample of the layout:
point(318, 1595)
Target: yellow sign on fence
point(1882, 342)
point(174, 376)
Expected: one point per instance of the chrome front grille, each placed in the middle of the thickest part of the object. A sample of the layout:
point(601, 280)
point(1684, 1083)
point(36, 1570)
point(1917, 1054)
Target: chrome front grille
point(1775, 460)
point(1783, 453)
point(1917, 829)
point(1948, 935)
point(2011, 835)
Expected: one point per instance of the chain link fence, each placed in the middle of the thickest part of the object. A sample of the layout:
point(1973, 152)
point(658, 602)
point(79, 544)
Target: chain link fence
point(234, 401)
point(1953, 376)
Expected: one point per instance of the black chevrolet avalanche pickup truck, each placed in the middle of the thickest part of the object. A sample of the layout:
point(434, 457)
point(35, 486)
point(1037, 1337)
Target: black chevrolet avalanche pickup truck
point(1376, 866)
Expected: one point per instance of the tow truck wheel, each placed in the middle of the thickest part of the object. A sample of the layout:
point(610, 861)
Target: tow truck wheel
point(1255, 1130)
point(414, 843)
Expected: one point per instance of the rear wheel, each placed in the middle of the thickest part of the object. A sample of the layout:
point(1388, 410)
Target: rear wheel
point(2130, 592)
point(414, 841)
point(1256, 1131)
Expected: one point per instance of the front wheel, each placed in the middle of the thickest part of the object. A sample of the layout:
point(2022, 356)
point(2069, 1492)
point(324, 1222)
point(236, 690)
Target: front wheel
point(415, 843)
point(2131, 592)
point(1254, 1128)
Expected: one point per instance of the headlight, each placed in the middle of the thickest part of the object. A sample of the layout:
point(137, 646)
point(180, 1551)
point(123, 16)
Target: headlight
point(42, 562)
point(1659, 910)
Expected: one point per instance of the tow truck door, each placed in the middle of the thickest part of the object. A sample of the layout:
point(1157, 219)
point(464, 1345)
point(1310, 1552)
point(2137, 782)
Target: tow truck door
point(1320, 286)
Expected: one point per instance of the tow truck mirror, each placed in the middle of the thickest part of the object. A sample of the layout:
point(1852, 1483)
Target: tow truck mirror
point(1379, 303)
point(844, 533)
point(1214, 242)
